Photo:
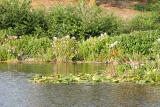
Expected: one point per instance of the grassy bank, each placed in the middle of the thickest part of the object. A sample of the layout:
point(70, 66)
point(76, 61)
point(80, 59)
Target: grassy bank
point(139, 45)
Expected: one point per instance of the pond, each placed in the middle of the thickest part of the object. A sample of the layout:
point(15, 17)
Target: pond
point(17, 91)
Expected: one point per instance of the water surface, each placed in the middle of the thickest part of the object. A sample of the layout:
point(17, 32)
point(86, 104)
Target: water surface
point(17, 91)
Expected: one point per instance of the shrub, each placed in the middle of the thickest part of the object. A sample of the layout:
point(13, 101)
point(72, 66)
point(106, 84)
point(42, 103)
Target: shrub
point(148, 7)
point(96, 21)
point(135, 46)
point(81, 22)
point(48, 55)
point(3, 53)
point(2, 36)
point(29, 47)
point(65, 48)
point(63, 21)
point(143, 22)
point(18, 16)
point(94, 49)
point(156, 49)
point(138, 42)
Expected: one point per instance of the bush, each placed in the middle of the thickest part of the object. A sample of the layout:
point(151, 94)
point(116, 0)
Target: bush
point(63, 21)
point(136, 46)
point(138, 42)
point(2, 36)
point(143, 22)
point(65, 48)
point(78, 21)
point(148, 7)
point(18, 16)
point(96, 21)
point(48, 55)
point(94, 49)
point(81, 22)
point(156, 49)
point(3, 53)
point(29, 47)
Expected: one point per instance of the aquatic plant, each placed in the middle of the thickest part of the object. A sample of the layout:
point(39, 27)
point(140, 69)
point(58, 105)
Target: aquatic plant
point(80, 78)
point(152, 77)
point(28, 47)
point(146, 73)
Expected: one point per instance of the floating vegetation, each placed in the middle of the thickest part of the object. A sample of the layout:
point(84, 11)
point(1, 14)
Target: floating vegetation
point(151, 77)
point(80, 78)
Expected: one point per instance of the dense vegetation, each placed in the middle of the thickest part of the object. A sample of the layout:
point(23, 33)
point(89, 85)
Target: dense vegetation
point(81, 33)
point(150, 5)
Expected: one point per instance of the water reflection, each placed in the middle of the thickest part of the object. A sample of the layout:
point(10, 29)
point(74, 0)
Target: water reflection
point(63, 68)
point(17, 91)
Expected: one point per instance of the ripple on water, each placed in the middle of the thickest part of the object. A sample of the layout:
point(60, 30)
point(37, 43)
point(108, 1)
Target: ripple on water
point(17, 91)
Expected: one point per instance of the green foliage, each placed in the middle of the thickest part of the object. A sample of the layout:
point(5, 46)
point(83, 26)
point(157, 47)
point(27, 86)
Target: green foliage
point(78, 21)
point(18, 16)
point(29, 47)
point(147, 73)
point(94, 48)
point(143, 22)
point(80, 78)
point(2, 36)
point(65, 48)
point(63, 21)
point(148, 7)
point(121, 69)
point(3, 53)
point(81, 22)
point(156, 49)
point(138, 42)
point(48, 55)
point(96, 21)
point(136, 45)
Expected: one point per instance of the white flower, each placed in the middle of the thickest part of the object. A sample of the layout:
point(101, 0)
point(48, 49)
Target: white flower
point(113, 44)
point(54, 38)
point(158, 40)
point(73, 38)
point(9, 50)
point(67, 36)
point(105, 33)
point(102, 35)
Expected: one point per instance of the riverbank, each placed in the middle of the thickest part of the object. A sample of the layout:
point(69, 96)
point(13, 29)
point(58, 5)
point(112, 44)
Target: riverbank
point(95, 49)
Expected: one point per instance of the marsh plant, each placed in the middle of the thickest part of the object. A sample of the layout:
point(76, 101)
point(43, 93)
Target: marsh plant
point(94, 48)
point(65, 48)
point(27, 47)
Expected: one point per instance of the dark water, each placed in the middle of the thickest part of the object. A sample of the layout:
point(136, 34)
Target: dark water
point(17, 91)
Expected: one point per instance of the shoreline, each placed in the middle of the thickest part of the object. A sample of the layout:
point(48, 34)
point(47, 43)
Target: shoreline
point(52, 62)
